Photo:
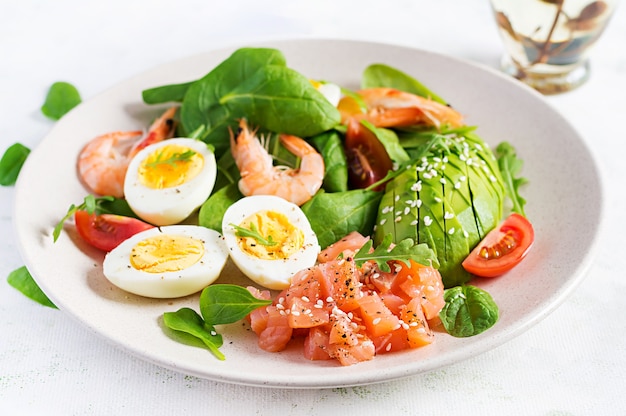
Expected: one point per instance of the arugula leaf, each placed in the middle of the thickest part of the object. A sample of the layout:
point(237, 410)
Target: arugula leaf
point(226, 303)
point(510, 165)
point(22, 280)
point(188, 321)
point(11, 163)
point(96, 205)
point(468, 311)
point(404, 251)
point(381, 75)
point(61, 98)
point(254, 233)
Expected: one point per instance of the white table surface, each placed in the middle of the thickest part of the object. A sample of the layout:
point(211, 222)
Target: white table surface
point(572, 363)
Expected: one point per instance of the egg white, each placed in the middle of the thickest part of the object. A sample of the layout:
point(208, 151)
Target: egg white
point(170, 205)
point(118, 269)
point(272, 274)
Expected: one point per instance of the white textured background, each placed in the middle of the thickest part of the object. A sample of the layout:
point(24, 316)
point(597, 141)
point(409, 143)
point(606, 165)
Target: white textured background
point(572, 363)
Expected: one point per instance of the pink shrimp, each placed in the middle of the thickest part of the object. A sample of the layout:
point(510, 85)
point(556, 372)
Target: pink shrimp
point(103, 162)
point(388, 107)
point(260, 177)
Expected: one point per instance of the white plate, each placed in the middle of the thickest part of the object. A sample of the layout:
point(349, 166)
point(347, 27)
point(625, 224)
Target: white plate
point(558, 165)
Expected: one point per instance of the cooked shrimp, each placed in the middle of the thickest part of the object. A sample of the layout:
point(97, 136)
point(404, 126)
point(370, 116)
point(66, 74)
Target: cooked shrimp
point(103, 162)
point(260, 177)
point(388, 107)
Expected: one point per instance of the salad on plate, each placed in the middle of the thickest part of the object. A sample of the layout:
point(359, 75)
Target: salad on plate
point(360, 217)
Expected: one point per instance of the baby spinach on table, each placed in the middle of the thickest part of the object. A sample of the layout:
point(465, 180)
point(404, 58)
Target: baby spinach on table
point(334, 215)
point(381, 75)
point(23, 281)
point(468, 311)
point(61, 98)
point(11, 163)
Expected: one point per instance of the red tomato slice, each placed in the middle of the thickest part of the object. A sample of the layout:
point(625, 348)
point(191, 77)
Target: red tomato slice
point(368, 161)
point(107, 231)
point(502, 249)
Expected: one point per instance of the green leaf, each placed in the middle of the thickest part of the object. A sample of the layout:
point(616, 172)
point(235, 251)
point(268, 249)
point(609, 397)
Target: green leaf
point(330, 146)
point(226, 304)
point(390, 142)
point(213, 209)
point(22, 280)
point(404, 251)
point(255, 84)
point(510, 166)
point(166, 93)
point(188, 321)
point(254, 233)
point(95, 205)
point(61, 98)
point(468, 311)
point(381, 75)
point(11, 163)
point(335, 215)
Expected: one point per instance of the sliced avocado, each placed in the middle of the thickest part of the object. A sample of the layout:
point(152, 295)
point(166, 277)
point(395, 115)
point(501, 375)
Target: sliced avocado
point(449, 199)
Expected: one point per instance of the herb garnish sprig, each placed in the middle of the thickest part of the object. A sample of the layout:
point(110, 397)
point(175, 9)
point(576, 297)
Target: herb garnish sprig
point(172, 160)
point(253, 232)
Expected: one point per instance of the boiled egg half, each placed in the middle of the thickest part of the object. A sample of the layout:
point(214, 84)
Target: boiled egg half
point(269, 239)
point(167, 262)
point(167, 181)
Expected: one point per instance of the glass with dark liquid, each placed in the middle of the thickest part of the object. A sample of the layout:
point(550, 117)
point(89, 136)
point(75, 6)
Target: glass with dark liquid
point(547, 42)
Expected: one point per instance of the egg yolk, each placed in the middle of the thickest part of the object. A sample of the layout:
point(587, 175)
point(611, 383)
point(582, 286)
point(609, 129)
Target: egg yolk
point(279, 238)
point(170, 166)
point(166, 253)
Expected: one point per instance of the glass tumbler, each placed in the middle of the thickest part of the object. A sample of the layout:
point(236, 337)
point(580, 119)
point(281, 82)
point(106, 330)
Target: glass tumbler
point(547, 42)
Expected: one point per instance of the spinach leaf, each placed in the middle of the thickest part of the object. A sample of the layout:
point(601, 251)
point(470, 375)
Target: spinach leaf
point(22, 280)
point(188, 321)
point(166, 93)
point(390, 142)
point(213, 209)
point(381, 75)
point(468, 311)
point(335, 215)
point(11, 163)
point(330, 146)
point(510, 165)
point(225, 303)
point(260, 88)
point(404, 251)
point(61, 98)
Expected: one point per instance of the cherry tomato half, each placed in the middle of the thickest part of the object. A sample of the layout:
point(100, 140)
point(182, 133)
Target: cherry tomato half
point(502, 249)
point(107, 231)
point(368, 161)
